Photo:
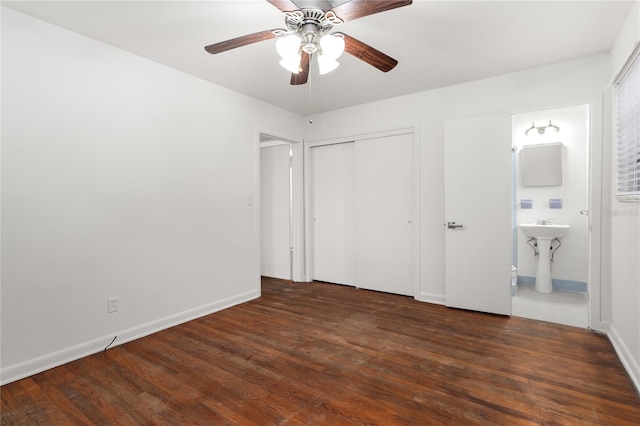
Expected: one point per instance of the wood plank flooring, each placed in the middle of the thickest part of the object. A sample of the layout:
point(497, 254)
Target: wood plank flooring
point(327, 354)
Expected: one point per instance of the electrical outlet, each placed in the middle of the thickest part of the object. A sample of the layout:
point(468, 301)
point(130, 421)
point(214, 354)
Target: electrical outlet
point(112, 305)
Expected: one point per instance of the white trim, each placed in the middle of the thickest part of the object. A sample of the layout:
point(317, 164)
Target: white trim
point(364, 136)
point(437, 299)
point(628, 198)
point(595, 199)
point(270, 143)
point(55, 359)
point(417, 231)
point(633, 52)
point(624, 354)
point(256, 205)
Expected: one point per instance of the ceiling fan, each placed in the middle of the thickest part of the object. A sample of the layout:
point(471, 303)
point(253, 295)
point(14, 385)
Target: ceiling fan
point(308, 32)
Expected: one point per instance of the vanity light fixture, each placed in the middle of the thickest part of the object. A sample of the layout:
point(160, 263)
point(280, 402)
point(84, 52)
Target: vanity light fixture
point(542, 129)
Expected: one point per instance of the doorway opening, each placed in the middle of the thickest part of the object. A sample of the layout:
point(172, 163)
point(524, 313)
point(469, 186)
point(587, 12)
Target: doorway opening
point(276, 208)
point(542, 201)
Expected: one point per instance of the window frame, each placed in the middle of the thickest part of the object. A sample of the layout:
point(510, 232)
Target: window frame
point(627, 138)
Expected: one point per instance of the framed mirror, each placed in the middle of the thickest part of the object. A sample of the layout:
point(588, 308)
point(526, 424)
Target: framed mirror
point(542, 164)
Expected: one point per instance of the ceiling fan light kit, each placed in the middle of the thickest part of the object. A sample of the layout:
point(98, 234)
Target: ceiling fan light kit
point(308, 34)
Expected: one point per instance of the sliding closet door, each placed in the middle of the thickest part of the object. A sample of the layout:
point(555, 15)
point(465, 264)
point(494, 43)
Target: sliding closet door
point(333, 215)
point(385, 233)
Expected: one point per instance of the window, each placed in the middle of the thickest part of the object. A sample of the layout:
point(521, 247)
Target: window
point(627, 90)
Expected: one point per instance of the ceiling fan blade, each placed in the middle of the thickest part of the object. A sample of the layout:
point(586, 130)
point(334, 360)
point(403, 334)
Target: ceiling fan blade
point(303, 75)
point(368, 54)
point(284, 5)
point(355, 9)
point(239, 41)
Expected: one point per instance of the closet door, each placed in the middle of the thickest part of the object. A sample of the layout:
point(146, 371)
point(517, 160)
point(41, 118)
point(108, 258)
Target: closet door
point(384, 209)
point(333, 215)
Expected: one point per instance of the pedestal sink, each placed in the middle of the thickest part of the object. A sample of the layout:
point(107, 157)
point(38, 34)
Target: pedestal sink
point(544, 234)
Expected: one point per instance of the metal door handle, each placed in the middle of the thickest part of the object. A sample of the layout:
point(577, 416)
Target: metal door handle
point(585, 212)
point(453, 225)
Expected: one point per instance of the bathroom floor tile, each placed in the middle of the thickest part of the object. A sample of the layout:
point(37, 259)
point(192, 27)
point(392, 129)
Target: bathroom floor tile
point(558, 307)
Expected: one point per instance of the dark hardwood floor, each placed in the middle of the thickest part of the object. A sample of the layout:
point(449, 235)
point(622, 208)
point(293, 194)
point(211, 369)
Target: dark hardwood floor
point(327, 354)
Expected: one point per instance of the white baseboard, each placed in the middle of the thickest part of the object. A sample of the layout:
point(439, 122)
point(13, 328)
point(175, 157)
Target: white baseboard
point(437, 299)
point(55, 359)
point(629, 363)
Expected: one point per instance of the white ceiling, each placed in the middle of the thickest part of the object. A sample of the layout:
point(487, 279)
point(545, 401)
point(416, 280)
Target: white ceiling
point(437, 43)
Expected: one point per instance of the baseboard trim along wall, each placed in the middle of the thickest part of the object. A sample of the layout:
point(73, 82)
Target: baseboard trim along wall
point(437, 299)
point(55, 359)
point(624, 354)
point(560, 285)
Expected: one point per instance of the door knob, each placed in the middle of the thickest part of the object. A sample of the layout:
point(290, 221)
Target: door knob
point(453, 225)
point(586, 212)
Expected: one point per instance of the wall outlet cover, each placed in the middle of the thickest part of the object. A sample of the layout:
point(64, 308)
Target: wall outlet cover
point(112, 305)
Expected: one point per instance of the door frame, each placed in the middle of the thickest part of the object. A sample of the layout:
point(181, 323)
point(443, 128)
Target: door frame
point(266, 144)
point(296, 225)
point(308, 227)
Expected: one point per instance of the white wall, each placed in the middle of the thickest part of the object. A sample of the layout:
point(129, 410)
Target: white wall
point(571, 259)
point(567, 83)
point(120, 177)
point(624, 222)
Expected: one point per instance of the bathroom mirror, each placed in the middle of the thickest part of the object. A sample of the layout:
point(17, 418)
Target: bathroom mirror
point(542, 164)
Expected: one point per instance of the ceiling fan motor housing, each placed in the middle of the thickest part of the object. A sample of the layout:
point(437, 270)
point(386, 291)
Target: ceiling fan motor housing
point(311, 24)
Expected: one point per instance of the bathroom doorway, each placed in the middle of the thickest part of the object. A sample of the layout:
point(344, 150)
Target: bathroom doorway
point(557, 142)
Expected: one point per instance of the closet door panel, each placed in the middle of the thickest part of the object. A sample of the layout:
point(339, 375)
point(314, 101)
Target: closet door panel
point(333, 213)
point(385, 234)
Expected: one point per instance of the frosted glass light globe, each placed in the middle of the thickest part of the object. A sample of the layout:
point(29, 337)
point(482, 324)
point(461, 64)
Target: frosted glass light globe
point(332, 46)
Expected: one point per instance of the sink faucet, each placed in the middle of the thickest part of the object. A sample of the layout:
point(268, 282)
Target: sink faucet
point(544, 221)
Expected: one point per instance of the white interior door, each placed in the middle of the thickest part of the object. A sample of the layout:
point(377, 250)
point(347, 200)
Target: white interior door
point(478, 199)
point(333, 213)
point(275, 208)
point(384, 214)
